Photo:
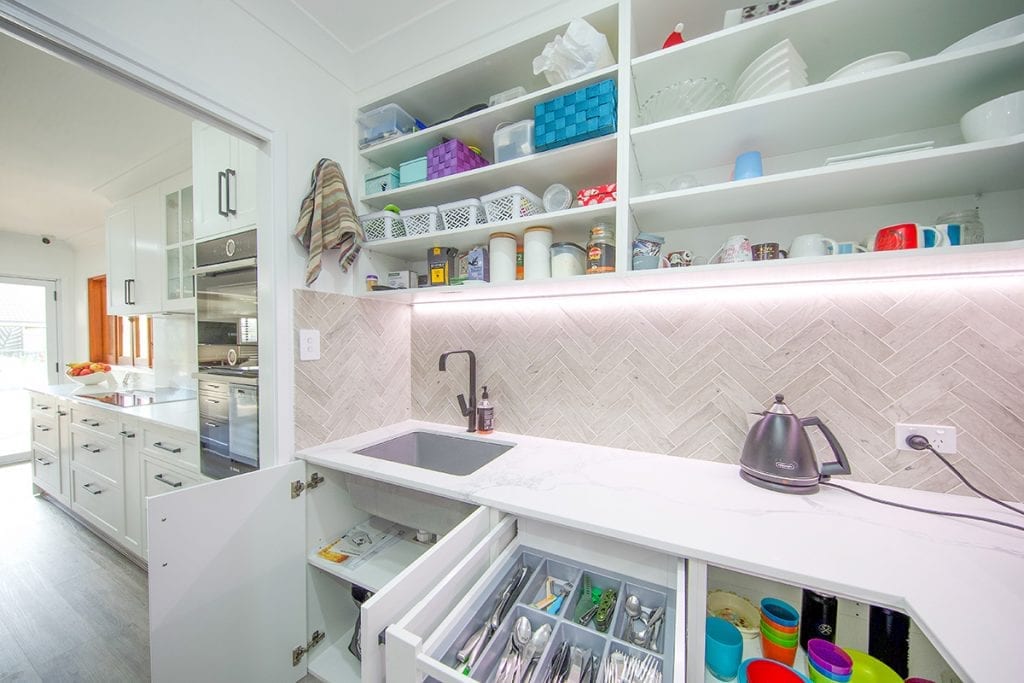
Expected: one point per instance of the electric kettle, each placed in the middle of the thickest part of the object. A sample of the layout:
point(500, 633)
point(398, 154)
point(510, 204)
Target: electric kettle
point(778, 455)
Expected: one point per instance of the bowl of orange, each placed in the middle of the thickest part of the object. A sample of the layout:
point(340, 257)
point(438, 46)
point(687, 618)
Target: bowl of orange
point(88, 373)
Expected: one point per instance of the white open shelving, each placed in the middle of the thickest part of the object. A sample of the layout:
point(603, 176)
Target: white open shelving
point(375, 572)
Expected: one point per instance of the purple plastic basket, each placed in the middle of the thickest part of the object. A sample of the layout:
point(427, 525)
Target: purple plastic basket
point(452, 157)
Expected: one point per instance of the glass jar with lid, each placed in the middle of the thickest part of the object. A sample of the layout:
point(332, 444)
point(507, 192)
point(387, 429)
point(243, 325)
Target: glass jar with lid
point(601, 250)
point(961, 227)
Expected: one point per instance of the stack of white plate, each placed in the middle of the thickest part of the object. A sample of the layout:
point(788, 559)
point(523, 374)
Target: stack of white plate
point(779, 69)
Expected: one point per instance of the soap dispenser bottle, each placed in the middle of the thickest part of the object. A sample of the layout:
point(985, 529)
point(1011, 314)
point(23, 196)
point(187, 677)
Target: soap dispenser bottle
point(484, 415)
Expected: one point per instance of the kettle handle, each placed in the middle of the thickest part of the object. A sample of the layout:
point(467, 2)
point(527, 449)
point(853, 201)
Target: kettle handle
point(841, 465)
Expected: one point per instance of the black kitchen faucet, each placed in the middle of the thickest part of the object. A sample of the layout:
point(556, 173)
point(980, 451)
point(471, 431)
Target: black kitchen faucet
point(468, 410)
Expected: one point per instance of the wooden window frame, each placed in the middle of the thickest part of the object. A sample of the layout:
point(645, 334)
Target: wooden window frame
point(106, 332)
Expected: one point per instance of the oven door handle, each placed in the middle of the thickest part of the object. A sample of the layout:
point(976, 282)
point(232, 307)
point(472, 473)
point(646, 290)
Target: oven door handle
point(215, 268)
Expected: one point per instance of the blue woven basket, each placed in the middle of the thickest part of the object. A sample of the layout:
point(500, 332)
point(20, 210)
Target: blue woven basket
point(581, 115)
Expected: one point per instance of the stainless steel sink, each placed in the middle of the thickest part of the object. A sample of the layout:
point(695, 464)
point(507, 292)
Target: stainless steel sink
point(438, 452)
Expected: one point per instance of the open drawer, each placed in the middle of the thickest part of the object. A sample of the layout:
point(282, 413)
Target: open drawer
point(237, 592)
point(426, 643)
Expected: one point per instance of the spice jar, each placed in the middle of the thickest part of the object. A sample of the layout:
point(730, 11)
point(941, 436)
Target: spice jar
point(601, 250)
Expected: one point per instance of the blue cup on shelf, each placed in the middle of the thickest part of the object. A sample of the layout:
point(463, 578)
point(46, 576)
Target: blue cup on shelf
point(748, 165)
point(723, 648)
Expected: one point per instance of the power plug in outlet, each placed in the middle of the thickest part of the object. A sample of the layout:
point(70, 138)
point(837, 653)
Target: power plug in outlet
point(309, 344)
point(941, 437)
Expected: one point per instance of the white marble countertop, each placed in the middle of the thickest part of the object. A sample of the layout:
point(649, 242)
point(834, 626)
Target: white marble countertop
point(961, 581)
point(181, 415)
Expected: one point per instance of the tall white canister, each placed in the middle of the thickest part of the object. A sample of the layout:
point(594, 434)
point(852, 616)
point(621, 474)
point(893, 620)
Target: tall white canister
point(503, 257)
point(537, 253)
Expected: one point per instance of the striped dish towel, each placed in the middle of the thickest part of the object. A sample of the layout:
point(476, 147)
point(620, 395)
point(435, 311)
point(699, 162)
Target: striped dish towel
point(327, 219)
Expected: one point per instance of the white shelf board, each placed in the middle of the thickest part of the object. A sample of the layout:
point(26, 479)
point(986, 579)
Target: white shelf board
point(333, 662)
point(908, 97)
point(476, 128)
point(576, 220)
point(580, 165)
point(978, 259)
point(510, 65)
point(376, 572)
point(828, 34)
point(957, 170)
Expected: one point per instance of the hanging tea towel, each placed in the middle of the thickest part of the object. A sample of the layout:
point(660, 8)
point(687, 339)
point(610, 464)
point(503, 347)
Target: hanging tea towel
point(327, 219)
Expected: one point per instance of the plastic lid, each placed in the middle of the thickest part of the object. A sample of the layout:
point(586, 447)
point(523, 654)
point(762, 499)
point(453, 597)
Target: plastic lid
point(535, 228)
point(567, 245)
point(557, 197)
point(500, 235)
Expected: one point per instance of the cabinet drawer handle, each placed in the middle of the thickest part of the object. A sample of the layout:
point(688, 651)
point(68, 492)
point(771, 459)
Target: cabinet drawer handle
point(131, 291)
point(211, 425)
point(128, 435)
point(163, 480)
point(169, 449)
point(212, 400)
point(41, 461)
point(213, 386)
point(42, 407)
point(62, 413)
point(222, 180)
point(89, 423)
point(91, 449)
point(228, 175)
point(95, 492)
point(42, 428)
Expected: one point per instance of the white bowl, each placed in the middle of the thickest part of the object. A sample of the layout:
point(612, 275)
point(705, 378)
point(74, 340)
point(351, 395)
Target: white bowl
point(773, 84)
point(1013, 26)
point(999, 118)
point(780, 63)
point(780, 53)
point(94, 378)
point(870, 63)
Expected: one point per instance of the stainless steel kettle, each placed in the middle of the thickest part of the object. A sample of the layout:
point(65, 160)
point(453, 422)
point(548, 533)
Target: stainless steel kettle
point(778, 455)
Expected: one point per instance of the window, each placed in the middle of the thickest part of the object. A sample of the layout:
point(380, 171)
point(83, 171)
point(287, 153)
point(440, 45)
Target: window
point(114, 339)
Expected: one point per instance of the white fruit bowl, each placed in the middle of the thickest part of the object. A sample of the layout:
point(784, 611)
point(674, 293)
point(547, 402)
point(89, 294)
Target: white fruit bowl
point(999, 118)
point(88, 380)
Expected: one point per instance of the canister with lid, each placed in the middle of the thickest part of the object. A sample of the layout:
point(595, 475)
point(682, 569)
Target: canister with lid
point(537, 253)
point(567, 259)
point(601, 250)
point(503, 257)
point(961, 227)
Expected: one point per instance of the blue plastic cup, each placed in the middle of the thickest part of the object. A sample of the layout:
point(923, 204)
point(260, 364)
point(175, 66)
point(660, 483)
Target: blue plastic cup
point(748, 165)
point(723, 648)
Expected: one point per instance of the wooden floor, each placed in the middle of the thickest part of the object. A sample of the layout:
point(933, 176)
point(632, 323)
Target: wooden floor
point(71, 607)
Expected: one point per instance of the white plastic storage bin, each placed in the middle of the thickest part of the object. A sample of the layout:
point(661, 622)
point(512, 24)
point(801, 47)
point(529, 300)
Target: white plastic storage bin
point(511, 203)
point(513, 140)
point(462, 214)
point(421, 221)
point(383, 123)
point(382, 225)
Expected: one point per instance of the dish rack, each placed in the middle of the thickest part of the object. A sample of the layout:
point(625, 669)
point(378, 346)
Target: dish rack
point(461, 214)
point(511, 203)
point(421, 221)
point(382, 225)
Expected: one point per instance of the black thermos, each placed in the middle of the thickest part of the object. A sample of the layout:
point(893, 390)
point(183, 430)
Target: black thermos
point(889, 638)
point(817, 617)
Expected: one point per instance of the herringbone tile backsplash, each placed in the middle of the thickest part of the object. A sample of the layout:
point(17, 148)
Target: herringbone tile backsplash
point(679, 373)
point(361, 381)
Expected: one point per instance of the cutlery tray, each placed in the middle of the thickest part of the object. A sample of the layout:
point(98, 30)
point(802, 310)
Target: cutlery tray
point(478, 604)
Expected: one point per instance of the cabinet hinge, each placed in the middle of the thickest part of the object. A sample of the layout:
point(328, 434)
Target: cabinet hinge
point(299, 486)
point(300, 651)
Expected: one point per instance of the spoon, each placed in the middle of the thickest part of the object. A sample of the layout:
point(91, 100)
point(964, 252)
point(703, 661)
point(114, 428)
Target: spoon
point(533, 651)
point(633, 611)
point(511, 661)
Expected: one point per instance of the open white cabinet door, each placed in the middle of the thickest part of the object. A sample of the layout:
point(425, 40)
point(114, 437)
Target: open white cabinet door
point(227, 579)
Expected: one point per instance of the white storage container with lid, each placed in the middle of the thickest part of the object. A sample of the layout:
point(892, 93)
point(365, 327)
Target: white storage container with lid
point(513, 140)
point(384, 123)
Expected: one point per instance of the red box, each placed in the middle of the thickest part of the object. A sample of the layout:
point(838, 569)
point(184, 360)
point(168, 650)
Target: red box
point(599, 194)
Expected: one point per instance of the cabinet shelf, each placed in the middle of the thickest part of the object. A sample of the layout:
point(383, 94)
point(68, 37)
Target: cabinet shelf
point(977, 259)
point(957, 170)
point(910, 97)
point(576, 220)
point(580, 165)
point(333, 662)
point(376, 571)
point(477, 128)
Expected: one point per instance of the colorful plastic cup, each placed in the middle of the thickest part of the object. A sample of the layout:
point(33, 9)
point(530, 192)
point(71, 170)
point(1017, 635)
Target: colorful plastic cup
point(828, 657)
point(723, 648)
point(783, 639)
point(771, 650)
point(779, 612)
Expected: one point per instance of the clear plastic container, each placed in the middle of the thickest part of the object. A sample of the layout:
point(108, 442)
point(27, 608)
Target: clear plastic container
point(567, 259)
point(961, 227)
point(513, 140)
point(506, 96)
point(384, 123)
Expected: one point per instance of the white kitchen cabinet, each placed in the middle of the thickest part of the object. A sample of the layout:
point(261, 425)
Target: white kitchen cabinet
point(235, 593)
point(227, 182)
point(135, 254)
point(50, 446)
point(179, 291)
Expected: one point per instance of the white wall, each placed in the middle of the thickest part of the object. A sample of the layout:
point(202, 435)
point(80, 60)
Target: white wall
point(27, 256)
point(215, 52)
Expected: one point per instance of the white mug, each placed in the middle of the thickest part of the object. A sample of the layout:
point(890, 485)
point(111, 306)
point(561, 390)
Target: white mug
point(812, 245)
point(734, 250)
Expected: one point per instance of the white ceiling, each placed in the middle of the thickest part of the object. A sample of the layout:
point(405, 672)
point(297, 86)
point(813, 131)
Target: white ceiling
point(72, 142)
point(359, 25)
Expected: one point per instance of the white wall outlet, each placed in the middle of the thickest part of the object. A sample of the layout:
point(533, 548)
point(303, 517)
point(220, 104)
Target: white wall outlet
point(309, 344)
point(941, 437)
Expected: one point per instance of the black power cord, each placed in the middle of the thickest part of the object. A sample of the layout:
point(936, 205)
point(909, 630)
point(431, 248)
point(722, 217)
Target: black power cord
point(920, 443)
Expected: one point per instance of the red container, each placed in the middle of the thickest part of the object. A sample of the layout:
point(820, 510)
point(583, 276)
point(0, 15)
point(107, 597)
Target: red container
point(767, 671)
point(599, 194)
point(450, 158)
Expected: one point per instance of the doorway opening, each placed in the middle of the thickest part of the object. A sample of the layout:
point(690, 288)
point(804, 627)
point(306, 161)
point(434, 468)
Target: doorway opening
point(28, 357)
